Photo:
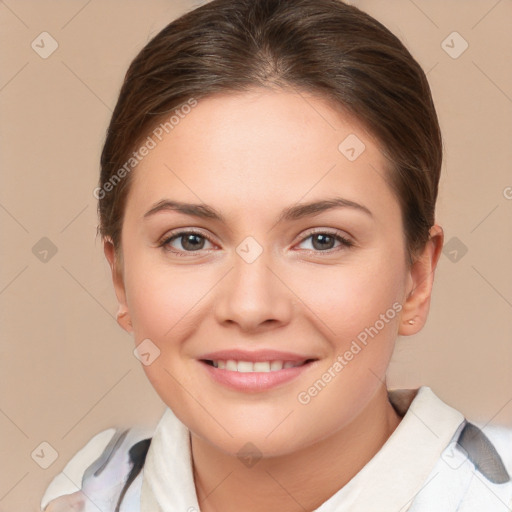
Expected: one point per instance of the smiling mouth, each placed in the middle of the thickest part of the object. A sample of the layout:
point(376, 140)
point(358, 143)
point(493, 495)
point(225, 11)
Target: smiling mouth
point(255, 367)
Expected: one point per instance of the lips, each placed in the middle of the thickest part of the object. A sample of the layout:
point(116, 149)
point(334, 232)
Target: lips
point(254, 370)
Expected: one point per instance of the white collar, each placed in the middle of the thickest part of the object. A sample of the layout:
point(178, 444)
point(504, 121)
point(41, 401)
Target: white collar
point(389, 481)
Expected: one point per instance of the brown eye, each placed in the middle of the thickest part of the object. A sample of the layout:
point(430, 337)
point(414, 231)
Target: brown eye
point(324, 241)
point(192, 242)
point(184, 242)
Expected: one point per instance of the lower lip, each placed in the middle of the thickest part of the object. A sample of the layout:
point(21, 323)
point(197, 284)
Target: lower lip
point(254, 381)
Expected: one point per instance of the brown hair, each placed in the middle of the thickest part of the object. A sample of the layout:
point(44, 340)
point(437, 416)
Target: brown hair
point(324, 47)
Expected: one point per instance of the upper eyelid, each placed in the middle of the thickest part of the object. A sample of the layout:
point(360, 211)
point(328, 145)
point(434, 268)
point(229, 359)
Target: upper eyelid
point(185, 231)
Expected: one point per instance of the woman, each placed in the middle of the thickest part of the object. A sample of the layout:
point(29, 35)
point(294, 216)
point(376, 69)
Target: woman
point(267, 206)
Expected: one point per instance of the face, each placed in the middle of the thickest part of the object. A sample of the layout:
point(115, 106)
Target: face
point(260, 278)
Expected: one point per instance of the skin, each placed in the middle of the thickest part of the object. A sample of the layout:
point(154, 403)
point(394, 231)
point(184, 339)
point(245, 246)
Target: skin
point(71, 502)
point(250, 155)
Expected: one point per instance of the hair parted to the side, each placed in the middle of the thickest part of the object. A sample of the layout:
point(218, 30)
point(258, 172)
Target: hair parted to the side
point(323, 47)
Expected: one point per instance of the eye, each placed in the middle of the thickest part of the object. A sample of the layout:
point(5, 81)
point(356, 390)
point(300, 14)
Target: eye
point(322, 241)
point(190, 241)
point(187, 242)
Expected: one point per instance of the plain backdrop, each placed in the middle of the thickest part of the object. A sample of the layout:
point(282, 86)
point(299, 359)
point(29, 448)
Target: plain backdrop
point(68, 370)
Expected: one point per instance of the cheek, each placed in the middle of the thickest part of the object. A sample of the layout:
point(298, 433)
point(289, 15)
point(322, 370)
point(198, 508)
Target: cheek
point(358, 310)
point(165, 304)
point(168, 304)
point(345, 299)
point(161, 299)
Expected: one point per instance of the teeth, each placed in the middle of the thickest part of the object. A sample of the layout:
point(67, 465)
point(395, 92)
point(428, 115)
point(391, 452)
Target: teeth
point(276, 365)
point(245, 366)
point(259, 366)
point(231, 365)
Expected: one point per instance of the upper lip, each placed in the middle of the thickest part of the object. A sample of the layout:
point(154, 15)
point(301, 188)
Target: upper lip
point(255, 355)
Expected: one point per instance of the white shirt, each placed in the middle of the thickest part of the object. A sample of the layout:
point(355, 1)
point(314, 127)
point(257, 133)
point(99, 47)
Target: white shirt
point(434, 461)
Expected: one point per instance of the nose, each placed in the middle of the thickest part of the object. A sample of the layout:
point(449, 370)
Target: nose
point(253, 296)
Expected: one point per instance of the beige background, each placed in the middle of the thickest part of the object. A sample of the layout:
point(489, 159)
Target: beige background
point(68, 370)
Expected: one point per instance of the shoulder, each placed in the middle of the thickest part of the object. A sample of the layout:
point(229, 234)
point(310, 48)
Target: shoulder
point(478, 465)
point(474, 470)
point(102, 470)
point(473, 473)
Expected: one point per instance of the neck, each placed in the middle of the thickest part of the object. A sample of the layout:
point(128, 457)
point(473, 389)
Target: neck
point(298, 481)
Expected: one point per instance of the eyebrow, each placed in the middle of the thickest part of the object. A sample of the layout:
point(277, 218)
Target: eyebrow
point(295, 212)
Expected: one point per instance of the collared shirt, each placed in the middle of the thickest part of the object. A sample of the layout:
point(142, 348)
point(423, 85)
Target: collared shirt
point(435, 460)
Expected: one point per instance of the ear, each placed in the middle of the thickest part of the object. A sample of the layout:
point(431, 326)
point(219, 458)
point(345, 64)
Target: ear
point(419, 284)
point(123, 315)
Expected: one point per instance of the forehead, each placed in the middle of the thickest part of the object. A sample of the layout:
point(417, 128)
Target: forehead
point(263, 148)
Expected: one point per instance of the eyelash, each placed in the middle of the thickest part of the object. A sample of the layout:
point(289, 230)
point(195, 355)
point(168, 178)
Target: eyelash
point(345, 242)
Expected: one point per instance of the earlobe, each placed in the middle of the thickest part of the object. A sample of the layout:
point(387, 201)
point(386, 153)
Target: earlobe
point(123, 319)
point(419, 284)
point(123, 315)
